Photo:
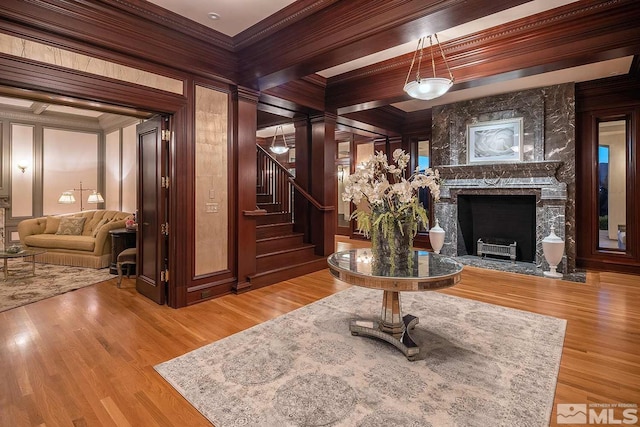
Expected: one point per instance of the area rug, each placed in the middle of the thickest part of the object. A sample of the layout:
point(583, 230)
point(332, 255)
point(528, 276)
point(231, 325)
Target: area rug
point(480, 365)
point(23, 288)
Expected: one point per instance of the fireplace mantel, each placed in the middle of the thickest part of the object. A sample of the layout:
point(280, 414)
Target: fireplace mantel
point(503, 178)
point(547, 168)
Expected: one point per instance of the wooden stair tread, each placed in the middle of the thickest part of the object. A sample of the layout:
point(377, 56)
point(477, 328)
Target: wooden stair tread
point(282, 236)
point(278, 274)
point(275, 224)
point(304, 246)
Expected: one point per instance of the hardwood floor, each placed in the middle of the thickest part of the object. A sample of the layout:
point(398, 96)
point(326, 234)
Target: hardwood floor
point(86, 358)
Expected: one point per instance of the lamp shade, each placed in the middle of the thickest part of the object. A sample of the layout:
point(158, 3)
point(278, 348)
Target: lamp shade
point(95, 197)
point(67, 198)
point(428, 88)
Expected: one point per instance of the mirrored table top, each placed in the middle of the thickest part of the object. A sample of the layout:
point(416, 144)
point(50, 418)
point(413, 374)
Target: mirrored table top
point(429, 271)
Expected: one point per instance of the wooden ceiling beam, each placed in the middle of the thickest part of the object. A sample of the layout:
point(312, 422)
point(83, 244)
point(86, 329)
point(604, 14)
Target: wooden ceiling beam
point(585, 32)
point(348, 30)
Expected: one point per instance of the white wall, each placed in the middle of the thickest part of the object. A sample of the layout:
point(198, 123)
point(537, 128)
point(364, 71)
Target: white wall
point(112, 171)
point(22, 137)
point(69, 158)
point(129, 169)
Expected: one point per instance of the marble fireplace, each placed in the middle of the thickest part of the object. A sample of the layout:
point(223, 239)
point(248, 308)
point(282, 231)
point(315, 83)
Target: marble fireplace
point(535, 179)
point(545, 171)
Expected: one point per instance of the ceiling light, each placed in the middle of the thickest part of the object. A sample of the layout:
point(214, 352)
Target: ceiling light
point(213, 15)
point(279, 148)
point(427, 87)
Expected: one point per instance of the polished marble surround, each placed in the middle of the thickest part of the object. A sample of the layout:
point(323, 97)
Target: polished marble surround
point(547, 170)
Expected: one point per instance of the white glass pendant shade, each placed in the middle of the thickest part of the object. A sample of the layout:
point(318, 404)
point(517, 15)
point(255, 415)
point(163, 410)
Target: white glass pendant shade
point(279, 149)
point(428, 88)
point(553, 249)
point(276, 146)
point(436, 237)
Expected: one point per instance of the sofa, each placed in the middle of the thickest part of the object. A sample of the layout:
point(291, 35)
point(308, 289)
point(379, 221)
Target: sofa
point(79, 239)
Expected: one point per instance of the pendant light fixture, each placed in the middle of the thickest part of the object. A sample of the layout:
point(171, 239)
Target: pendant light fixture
point(279, 148)
point(427, 87)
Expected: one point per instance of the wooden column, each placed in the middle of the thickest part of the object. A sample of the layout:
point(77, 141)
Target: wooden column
point(246, 119)
point(323, 181)
point(303, 154)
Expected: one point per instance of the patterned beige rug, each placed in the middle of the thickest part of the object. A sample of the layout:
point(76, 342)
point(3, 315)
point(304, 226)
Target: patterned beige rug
point(23, 288)
point(480, 365)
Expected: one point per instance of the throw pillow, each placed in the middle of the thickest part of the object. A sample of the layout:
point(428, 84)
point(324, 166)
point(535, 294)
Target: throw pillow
point(71, 226)
point(102, 222)
point(53, 222)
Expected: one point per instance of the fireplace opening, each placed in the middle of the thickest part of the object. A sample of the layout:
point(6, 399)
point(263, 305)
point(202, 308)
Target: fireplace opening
point(497, 219)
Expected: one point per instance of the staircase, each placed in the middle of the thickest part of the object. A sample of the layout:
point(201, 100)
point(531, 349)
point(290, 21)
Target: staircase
point(281, 253)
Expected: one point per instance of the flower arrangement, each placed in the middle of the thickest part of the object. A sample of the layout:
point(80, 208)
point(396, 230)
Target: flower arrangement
point(391, 212)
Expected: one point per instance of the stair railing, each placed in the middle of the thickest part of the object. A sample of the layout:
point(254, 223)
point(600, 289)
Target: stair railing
point(275, 180)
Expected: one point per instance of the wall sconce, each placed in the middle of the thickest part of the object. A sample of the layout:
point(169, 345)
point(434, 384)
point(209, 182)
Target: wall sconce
point(279, 148)
point(23, 165)
point(340, 173)
point(67, 196)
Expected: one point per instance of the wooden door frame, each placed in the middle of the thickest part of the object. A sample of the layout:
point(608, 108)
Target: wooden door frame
point(24, 78)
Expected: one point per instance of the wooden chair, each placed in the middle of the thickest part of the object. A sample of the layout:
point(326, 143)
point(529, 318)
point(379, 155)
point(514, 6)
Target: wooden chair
point(126, 258)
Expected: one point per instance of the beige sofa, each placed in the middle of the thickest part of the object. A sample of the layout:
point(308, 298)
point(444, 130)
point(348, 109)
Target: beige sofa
point(80, 243)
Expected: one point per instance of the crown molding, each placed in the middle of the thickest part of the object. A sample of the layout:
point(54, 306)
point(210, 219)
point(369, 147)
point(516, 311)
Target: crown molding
point(50, 119)
point(576, 34)
point(288, 15)
point(110, 122)
point(152, 12)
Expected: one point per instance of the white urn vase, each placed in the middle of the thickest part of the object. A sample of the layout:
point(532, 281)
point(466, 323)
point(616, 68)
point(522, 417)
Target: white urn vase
point(553, 249)
point(436, 237)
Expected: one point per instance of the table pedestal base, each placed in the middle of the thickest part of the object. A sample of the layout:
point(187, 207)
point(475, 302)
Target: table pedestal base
point(401, 341)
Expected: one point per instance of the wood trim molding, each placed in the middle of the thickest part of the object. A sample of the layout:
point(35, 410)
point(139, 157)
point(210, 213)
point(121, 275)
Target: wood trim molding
point(105, 30)
point(585, 32)
point(289, 15)
point(255, 213)
point(347, 30)
point(169, 19)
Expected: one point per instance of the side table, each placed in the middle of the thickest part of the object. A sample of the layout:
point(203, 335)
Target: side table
point(121, 239)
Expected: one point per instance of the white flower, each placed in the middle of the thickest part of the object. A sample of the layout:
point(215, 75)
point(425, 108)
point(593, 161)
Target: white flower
point(369, 183)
